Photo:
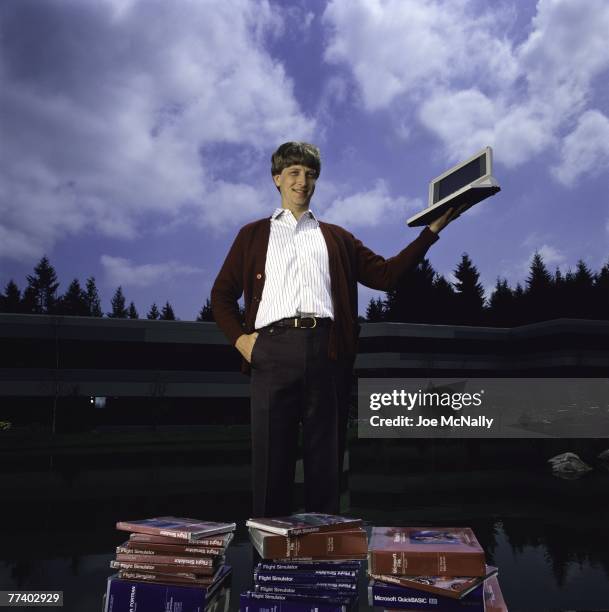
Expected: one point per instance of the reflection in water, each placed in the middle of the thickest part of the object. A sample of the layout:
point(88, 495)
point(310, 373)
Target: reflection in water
point(549, 537)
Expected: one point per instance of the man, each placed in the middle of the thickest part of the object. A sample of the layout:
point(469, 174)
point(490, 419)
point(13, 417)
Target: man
point(299, 280)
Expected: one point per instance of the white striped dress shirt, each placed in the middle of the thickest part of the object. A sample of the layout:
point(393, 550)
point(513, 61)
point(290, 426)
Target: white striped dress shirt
point(297, 271)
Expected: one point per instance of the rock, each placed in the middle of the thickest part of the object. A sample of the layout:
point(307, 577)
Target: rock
point(569, 466)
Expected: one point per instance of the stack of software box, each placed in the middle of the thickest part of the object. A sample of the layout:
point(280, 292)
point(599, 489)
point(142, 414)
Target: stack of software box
point(310, 562)
point(421, 568)
point(171, 564)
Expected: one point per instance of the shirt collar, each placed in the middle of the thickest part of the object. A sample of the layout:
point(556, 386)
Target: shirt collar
point(280, 211)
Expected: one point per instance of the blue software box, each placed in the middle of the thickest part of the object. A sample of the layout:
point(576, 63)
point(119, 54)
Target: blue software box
point(267, 602)
point(383, 595)
point(133, 596)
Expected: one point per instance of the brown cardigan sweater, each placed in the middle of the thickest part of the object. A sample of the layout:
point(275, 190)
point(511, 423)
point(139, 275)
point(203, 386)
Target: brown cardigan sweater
point(350, 262)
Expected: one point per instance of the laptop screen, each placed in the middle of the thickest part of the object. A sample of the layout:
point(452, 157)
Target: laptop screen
point(460, 178)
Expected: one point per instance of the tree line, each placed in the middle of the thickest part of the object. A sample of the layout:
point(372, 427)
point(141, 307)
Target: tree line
point(424, 296)
point(41, 296)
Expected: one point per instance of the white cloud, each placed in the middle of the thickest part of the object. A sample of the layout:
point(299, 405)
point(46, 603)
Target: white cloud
point(123, 272)
point(298, 18)
point(521, 132)
point(552, 259)
point(532, 240)
point(585, 151)
point(566, 48)
point(17, 243)
point(231, 204)
point(107, 113)
point(334, 92)
point(551, 256)
point(369, 208)
point(467, 120)
point(409, 48)
point(469, 83)
point(463, 120)
point(517, 270)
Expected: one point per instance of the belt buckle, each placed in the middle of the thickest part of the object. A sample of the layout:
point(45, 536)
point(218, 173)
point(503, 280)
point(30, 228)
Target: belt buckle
point(307, 326)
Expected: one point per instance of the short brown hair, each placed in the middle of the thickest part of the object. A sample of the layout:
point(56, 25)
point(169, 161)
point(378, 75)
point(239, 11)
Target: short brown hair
point(295, 153)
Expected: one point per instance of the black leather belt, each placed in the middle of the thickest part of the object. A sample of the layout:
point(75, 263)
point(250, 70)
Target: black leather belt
point(302, 322)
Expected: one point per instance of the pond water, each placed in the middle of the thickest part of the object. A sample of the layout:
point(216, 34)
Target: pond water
point(549, 537)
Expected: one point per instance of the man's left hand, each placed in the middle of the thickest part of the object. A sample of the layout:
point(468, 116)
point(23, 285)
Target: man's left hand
point(440, 223)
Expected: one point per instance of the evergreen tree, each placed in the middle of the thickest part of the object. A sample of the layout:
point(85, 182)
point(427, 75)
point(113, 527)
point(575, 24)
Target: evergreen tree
point(564, 296)
point(601, 293)
point(558, 282)
point(501, 305)
point(442, 302)
point(375, 312)
point(41, 293)
point(583, 275)
point(557, 308)
point(74, 301)
point(205, 314)
point(469, 293)
point(153, 313)
point(29, 300)
point(519, 316)
point(118, 305)
point(167, 313)
point(92, 298)
point(583, 285)
point(558, 277)
point(132, 312)
point(10, 301)
point(539, 292)
point(539, 279)
point(410, 301)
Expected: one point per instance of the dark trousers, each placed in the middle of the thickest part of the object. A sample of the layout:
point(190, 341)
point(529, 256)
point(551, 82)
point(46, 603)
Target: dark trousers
point(293, 382)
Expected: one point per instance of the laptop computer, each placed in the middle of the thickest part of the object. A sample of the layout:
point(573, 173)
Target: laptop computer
point(460, 187)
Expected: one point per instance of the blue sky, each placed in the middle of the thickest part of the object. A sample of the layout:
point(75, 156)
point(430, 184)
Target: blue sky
point(135, 136)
